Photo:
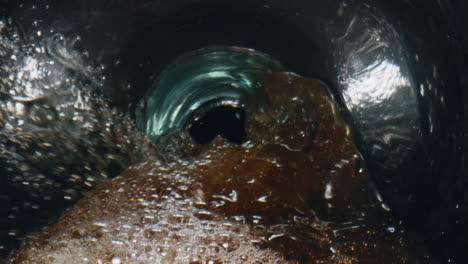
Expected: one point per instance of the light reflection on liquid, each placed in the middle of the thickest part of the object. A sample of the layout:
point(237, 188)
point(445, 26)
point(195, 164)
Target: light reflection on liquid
point(376, 86)
point(373, 84)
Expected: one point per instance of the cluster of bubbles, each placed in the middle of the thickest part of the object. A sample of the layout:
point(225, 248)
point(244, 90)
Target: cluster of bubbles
point(58, 135)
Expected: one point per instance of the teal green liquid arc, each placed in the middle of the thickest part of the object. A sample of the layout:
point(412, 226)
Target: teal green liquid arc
point(219, 75)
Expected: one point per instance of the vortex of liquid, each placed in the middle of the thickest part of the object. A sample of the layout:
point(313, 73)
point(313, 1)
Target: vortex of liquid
point(201, 80)
point(295, 192)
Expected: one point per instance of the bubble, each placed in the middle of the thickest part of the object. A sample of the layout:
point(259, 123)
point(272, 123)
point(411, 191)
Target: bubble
point(116, 260)
point(43, 114)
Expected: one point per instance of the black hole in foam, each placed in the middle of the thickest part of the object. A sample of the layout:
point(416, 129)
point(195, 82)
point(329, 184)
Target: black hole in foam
point(225, 121)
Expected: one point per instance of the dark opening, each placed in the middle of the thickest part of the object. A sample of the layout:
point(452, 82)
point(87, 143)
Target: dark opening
point(225, 121)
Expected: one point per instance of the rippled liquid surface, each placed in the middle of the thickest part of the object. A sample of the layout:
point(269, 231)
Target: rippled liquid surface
point(58, 137)
point(295, 192)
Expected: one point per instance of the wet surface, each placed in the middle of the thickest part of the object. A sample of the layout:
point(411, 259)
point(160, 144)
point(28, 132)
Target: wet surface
point(297, 194)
